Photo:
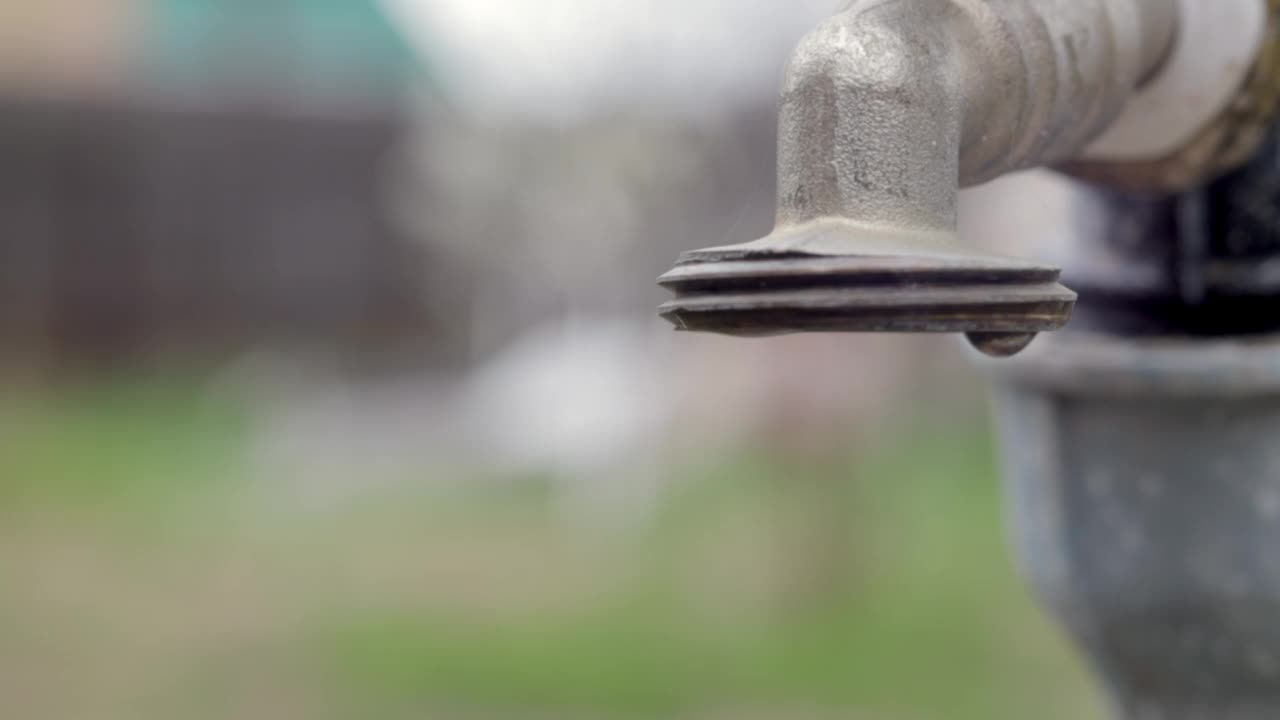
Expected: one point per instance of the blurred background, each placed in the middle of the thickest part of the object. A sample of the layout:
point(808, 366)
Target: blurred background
point(332, 386)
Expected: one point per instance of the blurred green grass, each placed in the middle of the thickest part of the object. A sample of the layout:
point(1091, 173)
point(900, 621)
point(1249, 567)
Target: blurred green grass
point(126, 442)
point(142, 568)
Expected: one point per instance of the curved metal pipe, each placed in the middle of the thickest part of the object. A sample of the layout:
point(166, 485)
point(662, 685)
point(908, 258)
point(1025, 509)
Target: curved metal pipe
point(888, 109)
point(891, 106)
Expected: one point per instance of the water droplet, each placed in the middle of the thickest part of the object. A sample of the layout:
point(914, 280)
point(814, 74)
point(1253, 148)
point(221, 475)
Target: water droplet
point(1000, 345)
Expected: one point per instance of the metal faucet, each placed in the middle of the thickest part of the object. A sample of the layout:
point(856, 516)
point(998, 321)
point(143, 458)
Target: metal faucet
point(887, 110)
point(1140, 445)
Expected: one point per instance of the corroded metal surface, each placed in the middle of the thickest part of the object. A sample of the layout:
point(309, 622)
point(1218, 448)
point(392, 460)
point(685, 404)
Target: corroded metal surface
point(887, 110)
point(1144, 490)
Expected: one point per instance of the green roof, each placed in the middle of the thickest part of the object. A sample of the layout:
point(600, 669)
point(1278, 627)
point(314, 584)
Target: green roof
point(313, 45)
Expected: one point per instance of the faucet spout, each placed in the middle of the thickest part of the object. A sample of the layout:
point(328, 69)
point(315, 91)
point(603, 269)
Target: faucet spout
point(887, 110)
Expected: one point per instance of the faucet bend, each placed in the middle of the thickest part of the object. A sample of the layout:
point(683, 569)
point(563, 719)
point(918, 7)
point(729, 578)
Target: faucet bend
point(889, 108)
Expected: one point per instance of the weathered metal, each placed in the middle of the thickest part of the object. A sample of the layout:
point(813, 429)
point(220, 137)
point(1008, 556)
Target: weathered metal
point(1144, 492)
point(1143, 471)
point(1209, 113)
point(1205, 262)
point(889, 108)
point(1140, 449)
point(930, 290)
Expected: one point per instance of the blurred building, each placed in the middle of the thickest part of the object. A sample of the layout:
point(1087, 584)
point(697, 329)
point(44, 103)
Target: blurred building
point(190, 176)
